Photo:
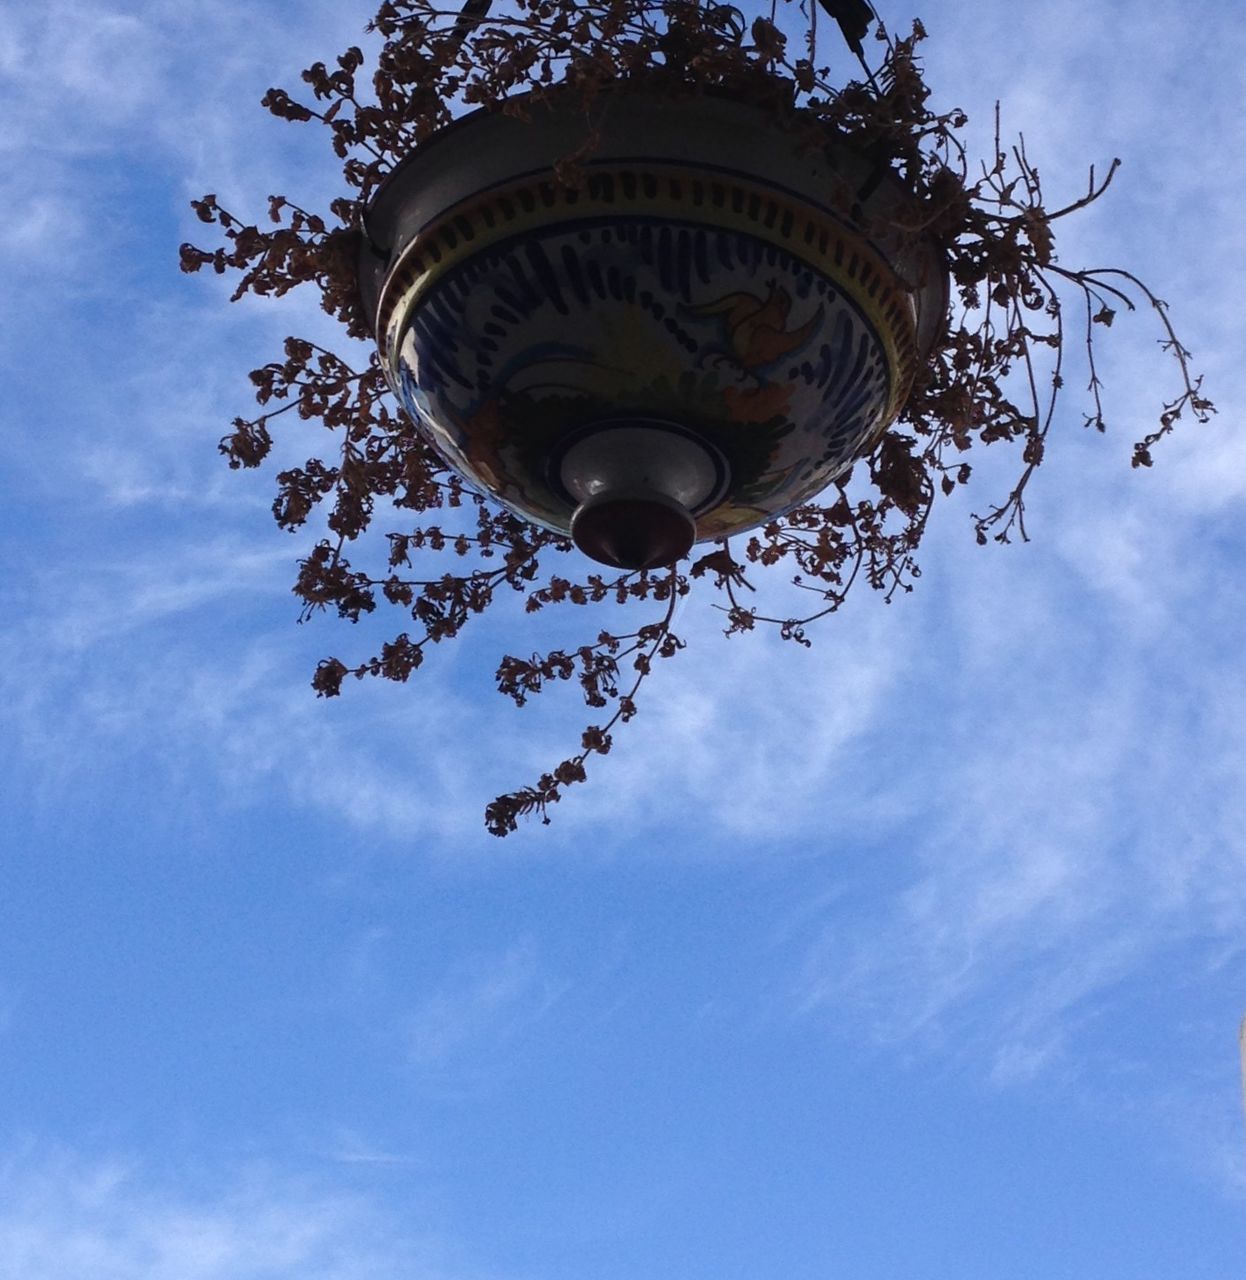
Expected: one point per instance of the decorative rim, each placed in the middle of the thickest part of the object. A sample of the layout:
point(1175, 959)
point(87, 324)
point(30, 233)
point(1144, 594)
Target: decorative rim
point(718, 201)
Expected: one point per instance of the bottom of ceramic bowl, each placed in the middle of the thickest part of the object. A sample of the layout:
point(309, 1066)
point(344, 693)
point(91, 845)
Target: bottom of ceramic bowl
point(641, 532)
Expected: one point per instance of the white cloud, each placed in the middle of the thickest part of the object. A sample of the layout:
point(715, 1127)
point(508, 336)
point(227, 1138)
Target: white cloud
point(1083, 765)
point(717, 730)
point(351, 1147)
point(105, 107)
point(1084, 811)
point(74, 72)
point(485, 1002)
point(43, 219)
point(756, 744)
point(67, 1217)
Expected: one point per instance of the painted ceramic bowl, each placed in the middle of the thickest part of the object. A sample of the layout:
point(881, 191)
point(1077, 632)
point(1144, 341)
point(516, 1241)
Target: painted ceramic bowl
point(703, 334)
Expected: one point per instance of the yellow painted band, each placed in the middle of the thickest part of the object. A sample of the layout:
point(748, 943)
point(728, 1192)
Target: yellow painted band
point(726, 203)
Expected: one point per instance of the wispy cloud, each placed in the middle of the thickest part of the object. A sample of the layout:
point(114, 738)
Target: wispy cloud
point(1084, 814)
point(66, 1217)
point(351, 1147)
point(484, 1003)
point(1077, 832)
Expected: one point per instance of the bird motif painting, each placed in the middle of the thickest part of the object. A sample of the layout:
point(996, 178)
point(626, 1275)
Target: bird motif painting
point(756, 327)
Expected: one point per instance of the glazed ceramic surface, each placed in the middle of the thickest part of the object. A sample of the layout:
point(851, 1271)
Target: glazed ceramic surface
point(669, 290)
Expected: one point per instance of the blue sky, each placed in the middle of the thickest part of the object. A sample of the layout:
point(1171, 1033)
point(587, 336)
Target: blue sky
point(921, 953)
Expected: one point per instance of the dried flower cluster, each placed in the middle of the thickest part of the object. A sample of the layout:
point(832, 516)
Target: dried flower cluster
point(995, 377)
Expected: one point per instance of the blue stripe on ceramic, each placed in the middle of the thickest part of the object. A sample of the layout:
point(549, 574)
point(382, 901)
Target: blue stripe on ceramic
point(738, 340)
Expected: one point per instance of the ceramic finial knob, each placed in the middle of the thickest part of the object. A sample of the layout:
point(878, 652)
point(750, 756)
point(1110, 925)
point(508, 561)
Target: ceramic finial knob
point(643, 532)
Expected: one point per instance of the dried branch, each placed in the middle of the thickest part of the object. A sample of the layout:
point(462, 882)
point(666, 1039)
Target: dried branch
point(994, 378)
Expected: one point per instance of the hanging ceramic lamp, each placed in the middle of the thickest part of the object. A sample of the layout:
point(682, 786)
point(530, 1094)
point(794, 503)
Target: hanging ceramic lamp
point(700, 335)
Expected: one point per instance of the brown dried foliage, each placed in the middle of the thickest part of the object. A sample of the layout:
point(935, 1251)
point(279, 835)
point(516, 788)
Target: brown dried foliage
point(995, 377)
